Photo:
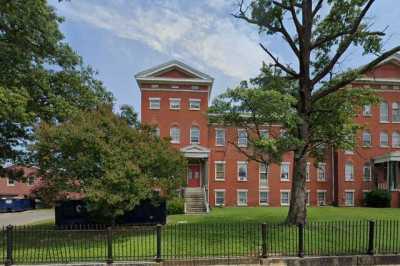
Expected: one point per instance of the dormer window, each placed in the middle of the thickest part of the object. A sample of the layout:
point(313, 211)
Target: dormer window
point(174, 103)
point(194, 104)
point(154, 103)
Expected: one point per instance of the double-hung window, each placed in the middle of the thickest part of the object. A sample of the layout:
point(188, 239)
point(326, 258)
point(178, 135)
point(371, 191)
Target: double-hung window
point(242, 197)
point(383, 139)
point(11, 182)
point(219, 137)
point(396, 139)
point(367, 172)
point(321, 195)
point(174, 103)
point(242, 138)
point(219, 170)
point(263, 196)
point(263, 172)
point(285, 166)
point(194, 135)
point(285, 197)
point(349, 171)
point(367, 111)
point(321, 171)
point(384, 112)
point(175, 134)
point(242, 170)
point(366, 138)
point(194, 104)
point(219, 197)
point(395, 112)
point(308, 171)
point(349, 197)
point(154, 103)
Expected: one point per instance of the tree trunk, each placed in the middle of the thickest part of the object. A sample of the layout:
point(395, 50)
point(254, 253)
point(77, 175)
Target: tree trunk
point(298, 206)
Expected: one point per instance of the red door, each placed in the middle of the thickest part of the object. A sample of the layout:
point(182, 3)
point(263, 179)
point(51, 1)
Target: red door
point(193, 175)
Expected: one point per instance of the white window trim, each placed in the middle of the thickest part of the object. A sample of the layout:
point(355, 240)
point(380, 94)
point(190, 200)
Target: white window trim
point(215, 170)
point(308, 195)
point(325, 193)
point(33, 181)
point(370, 111)
point(370, 174)
point(393, 143)
point(174, 99)
point(380, 140)
point(370, 139)
point(216, 142)
point(259, 198)
point(190, 133)
point(308, 172)
point(280, 195)
point(215, 197)
point(354, 195)
point(387, 115)
point(247, 170)
point(11, 184)
point(352, 175)
point(194, 100)
point(170, 134)
point(280, 176)
point(238, 134)
point(237, 196)
point(318, 169)
point(154, 99)
point(259, 175)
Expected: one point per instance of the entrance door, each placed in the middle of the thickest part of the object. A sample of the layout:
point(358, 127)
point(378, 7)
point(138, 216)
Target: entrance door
point(193, 175)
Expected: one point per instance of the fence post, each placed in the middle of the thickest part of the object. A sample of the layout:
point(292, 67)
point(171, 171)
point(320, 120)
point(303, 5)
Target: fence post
point(264, 240)
point(158, 235)
point(371, 235)
point(109, 245)
point(301, 240)
point(9, 236)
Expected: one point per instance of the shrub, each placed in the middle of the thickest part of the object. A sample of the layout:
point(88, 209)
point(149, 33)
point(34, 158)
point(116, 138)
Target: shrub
point(175, 205)
point(378, 198)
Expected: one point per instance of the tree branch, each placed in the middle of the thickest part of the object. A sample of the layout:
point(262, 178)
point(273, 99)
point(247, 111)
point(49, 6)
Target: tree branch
point(324, 92)
point(287, 69)
point(344, 44)
point(317, 8)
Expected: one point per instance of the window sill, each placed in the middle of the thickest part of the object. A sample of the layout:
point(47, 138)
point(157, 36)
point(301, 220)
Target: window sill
point(349, 180)
point(395, 122)
point(367, 115)
point(322, 180)
point(219, 180)
point(284, 204)
point(219, 145)
point(285, 180)
point(243, 180)
point(194, 143)
point(384, 122)
point(367, 180)
point(263, 204)
point(242, 146)
point(192, 109)
point(242, 205)
point(174, 109)
point(366, 146)
point(175, 142)
point(384, 146)
point(154, 109)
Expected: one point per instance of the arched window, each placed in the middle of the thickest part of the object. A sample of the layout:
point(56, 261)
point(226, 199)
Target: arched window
point(195, 135)
point(175, 134)
point(383, 112)
point(349, 171)
point(395, 112)
point(396, 139)
point(383, 139)
point(366, 138)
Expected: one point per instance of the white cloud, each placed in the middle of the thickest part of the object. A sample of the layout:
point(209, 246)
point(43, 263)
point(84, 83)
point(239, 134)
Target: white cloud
point(196, 35)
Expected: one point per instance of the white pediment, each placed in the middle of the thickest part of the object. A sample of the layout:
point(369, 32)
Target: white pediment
point(195, 151)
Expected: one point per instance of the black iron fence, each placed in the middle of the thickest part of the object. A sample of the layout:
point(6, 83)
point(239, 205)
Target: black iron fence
point(28, 245)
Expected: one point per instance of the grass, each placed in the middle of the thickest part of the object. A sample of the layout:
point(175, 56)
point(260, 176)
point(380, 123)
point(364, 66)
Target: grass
point(227, 232)
point(278, 215)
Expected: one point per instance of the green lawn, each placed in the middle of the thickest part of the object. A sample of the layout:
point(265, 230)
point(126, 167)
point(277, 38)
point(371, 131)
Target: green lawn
point(228, 232)
point(277, 215)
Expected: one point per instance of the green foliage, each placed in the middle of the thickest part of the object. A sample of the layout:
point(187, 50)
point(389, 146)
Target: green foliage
point(111, 164)
point(175, 205)
point(378, 198)
point(41, 77)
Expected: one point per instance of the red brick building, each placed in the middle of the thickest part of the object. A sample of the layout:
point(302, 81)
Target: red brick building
point(13, 188)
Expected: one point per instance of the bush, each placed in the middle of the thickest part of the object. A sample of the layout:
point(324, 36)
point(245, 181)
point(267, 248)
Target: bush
point(378, 198)
point(175, 205)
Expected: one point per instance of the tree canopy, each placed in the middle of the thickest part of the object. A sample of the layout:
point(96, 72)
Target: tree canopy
point(100, 156)
point(41, 78)
point(304, 96)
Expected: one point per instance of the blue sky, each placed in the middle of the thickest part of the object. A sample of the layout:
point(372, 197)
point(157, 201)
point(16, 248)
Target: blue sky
point(122, 37)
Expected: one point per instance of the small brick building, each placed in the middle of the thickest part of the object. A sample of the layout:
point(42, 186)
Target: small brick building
point(13, 188)
point(175, 98)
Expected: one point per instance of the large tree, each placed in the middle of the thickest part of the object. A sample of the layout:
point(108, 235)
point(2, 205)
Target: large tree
point(105, 159)
point(304, 96)
point(41, 78)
